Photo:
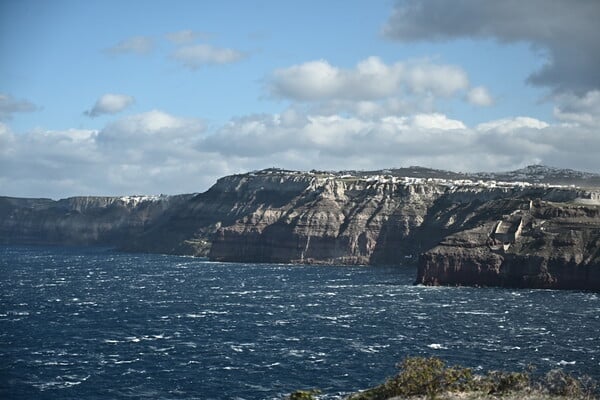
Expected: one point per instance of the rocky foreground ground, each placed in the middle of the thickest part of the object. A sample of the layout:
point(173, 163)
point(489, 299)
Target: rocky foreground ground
point(421, 378)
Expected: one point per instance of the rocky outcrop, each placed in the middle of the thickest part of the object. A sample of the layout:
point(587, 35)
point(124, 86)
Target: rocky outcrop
point(547, 245)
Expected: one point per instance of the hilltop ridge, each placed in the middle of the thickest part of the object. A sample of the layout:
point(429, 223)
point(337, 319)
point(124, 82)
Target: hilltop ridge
point(533, 174)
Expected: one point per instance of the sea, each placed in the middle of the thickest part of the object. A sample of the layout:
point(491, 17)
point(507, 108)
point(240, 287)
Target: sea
point(94, 323)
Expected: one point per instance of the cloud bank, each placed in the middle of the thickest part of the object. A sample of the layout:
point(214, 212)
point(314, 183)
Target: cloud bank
point(373, 88)
point(371, 79)
point(138, 153)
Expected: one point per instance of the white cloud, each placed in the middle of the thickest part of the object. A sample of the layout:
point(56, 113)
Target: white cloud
point(436, 121)
point(371, 79)
point(186, 36)
point(110, 103)
point(335, 142)
point(6, 139)
point(133, 45)
point(196, 56)
point(309, 81)
point(154, 152)
point(4, 129)
point(480, 96)
point(404, 105)
point(522, 137)
point(511, 124)
point(584, 110)
point(341, 142)
point(10, 106)
point(151, 152)
point(152, 125)
point(439, 80)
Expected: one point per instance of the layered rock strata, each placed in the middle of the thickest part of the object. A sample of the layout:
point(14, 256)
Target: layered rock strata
point(462, 231)
point(546, 245)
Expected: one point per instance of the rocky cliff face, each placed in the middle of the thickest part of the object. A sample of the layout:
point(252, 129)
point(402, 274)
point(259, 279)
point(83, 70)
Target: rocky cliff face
point(468, 230)
point(345, 221)
point(80, 220)
point(551, 245)
point(383, 220)
point(189, 228)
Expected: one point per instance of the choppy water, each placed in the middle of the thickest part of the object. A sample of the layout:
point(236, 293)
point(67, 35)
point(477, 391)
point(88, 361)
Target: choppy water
point(96, 324)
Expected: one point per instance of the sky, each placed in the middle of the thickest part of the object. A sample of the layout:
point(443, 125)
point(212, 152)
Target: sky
point(147, 97)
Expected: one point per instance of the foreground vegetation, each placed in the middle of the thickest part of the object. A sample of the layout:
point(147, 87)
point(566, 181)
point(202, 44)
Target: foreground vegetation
point(431, 379)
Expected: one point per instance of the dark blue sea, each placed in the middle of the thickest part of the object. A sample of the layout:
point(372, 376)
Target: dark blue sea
point(81, 323)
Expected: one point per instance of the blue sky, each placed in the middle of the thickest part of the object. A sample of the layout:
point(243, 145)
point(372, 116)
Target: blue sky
point(124, 97)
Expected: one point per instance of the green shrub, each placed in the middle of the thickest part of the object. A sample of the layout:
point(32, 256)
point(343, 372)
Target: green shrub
point(422, 376)
point(560, 383)
point(304, 394)
point(430, 377)
point(498, 382)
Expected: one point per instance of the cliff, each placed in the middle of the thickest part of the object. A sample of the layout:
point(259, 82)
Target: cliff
point(189, 228)
point(534, 244)
point(80, 220)
point(463, 229)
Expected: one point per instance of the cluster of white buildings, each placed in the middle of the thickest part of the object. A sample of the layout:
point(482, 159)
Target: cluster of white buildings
point(386, 178)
